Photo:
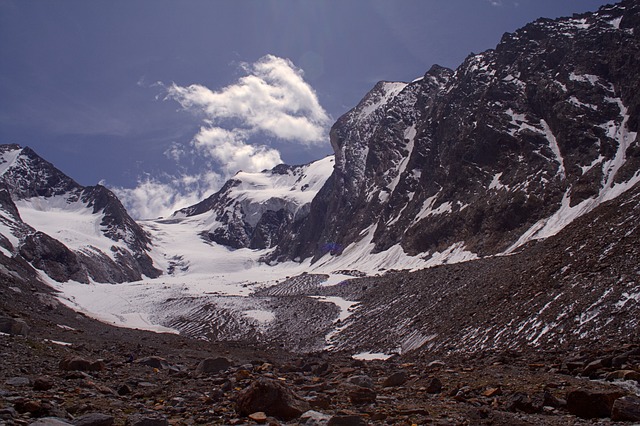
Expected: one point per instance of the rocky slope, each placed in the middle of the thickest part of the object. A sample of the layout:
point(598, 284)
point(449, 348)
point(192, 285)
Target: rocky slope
point(68, 231)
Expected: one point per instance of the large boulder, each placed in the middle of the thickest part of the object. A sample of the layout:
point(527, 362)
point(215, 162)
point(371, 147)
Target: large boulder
point(590, 404)
point(13, 326)
point(271, 397)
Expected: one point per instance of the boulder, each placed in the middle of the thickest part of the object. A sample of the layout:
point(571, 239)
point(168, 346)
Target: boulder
point(13, 326)
point(398, 378)
point(434, 386)
point(154, 362)
point(76, 363)
point(43, 383)
point(361, 380)
point(359, 395)
point(626, 409)
point(347, 420)
point(589, 404)
point(94, 419)
point(50, 421)
point(146, 420)
point(213, 365)
point(271, 397)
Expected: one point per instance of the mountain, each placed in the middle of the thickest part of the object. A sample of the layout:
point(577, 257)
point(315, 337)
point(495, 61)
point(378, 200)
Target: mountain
point(493, 199)
point(253, 209)
point(68, 231)
point(510, 147)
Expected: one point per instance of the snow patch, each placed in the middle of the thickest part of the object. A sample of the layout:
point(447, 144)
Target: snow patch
point(371, 356)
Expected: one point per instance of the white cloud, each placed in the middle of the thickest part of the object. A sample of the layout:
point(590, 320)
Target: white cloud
point(229, 148)
point(153, 198)
point(273, 99)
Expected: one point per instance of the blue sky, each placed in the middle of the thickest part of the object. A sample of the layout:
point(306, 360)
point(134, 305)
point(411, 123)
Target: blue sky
point(162, 100)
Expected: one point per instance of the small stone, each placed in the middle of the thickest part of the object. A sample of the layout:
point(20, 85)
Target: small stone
point(42, 383)
point(314, 418)
point(491, 392)
point(213, 365)
point(398, 378)
point(94, 419)
point(626, 409)
point(8, 413)
point(242, 374)
point(81, 364)
point(142, 420)
point(360, 395)
point(361, 380)
point(18, 381)
point(320, 401)
point(434, 386)
point(124, 389)
point(349, 420)
point(259, 417)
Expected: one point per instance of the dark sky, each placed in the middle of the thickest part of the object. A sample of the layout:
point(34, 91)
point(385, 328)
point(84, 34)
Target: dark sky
point(85, 83)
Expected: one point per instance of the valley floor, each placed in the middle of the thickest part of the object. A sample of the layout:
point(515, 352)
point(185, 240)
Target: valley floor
point(70, 366)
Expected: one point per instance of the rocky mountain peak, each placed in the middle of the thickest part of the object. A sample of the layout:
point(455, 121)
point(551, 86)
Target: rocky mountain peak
point(44, 203)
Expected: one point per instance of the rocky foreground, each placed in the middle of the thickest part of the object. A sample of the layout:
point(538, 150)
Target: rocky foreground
point(59, 367)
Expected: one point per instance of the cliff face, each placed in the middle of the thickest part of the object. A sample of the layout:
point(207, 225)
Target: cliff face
point(513, 145)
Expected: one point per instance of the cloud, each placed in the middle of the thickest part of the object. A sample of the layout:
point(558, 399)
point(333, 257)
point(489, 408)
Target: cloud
point(229, 148)
point(153, 198)
point(273, 99)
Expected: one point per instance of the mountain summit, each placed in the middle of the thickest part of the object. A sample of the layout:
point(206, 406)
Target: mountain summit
point(68, 231)
point(511, 146)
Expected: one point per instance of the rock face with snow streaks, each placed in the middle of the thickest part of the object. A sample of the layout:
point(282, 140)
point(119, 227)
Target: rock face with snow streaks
point(510, 147)
point(68, 231)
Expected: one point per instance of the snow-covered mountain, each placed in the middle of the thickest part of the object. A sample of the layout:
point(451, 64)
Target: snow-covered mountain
point(253, 209)
point(68, 231)
point(498, 166)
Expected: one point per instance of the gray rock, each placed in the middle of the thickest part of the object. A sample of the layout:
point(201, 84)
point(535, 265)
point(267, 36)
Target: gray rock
point(80, 364)
point(13, 326)
point(50, 421)
point(18, 381)
point(154, 362)
point(398, 378)
point(213, 365)
point(94, 419)
point(626, 409)
point(271, 397)
point(8, 413)
point(146, 420)
point(362, 381)
point(314, 418)
point(359, 395)
point(351, 420)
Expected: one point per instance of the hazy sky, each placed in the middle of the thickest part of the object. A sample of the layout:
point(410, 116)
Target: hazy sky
point(163, 100)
